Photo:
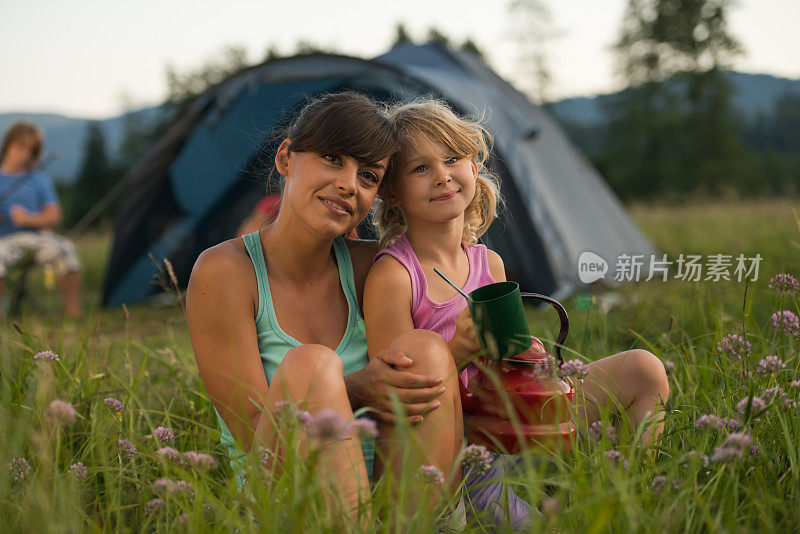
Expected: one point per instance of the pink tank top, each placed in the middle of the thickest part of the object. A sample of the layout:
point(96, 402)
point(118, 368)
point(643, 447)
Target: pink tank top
point(439, 317)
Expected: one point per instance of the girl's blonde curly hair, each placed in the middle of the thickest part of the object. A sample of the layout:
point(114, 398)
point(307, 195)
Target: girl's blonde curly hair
point(465, 137)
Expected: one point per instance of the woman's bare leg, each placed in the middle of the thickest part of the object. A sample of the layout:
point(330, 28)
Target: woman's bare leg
point(633, 382)
point(311, 376)
point(437, 439)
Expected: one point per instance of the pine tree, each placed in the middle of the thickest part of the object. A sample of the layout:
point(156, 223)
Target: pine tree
point(95, 178)
point(673, 129)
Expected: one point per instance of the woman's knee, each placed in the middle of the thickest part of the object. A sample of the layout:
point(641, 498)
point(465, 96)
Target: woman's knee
point(315, 365)
point(427, 350)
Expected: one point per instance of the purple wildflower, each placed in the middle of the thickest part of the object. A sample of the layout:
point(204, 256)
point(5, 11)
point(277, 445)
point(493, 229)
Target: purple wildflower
point(669, 367)
point(184, 486)
point(784, 284)
point(787, 321)
point(164, 486)
point(181, 519)
point(79, 471)
point(754, 449)
point(732, 424)
point(573, 368)
point(477, 458)
point(739, 440)
point(725, 454)
point(19, 469)
point(709, 422)
point(790, 403)
point(613, 454)
point(734, 346)
point(200, 460)
point(153, 505)
point(208, 509)
point(126, 447)
point(116, 405)
point(163, 434)
point(772, 393)
point(757, 405)
point(365, 428)
point(328, 425)
point(60, 413)
point(598, 429)
point(46, 355)
point(658, 484)
point(769, 365)
point(287, 412)
point(795, 384)
point(170, 454)
point(546, 367)
point(430, 474)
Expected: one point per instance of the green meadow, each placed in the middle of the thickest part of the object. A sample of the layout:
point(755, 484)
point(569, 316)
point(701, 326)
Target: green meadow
point(694, 479)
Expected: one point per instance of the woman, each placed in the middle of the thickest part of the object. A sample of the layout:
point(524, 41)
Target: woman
point(276, 315)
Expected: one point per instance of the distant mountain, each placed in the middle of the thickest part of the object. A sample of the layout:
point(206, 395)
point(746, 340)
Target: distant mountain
point(65, 136)
point(752, 94)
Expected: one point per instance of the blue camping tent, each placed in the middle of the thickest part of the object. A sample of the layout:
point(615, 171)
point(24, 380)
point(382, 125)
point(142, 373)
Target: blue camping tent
point(203, 177)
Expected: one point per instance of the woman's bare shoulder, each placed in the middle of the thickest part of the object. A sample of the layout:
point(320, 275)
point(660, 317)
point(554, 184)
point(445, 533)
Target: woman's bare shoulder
point(226, 264)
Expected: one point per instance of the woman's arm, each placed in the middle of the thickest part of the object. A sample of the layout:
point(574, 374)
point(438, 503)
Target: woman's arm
point(220, 312)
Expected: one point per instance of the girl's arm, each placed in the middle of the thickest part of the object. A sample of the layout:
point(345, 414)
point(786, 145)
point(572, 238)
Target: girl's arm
point(496, 267)
point(220, 312)
point(387, 304)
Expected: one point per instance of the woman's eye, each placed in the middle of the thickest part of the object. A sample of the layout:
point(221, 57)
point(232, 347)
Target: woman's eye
point(371, 177)
point(330, 158)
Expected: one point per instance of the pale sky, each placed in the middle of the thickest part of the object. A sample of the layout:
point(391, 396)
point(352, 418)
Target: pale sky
point(85, 57)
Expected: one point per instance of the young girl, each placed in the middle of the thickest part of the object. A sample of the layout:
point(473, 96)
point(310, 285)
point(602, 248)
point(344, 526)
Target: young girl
point(434, 203)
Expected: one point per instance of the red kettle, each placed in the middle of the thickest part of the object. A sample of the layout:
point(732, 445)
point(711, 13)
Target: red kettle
point(513, 401)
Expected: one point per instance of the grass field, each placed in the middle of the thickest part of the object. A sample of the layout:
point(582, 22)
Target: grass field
point(143, 358)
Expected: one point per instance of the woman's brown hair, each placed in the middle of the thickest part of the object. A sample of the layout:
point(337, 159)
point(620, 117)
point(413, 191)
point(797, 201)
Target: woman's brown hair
point(345, 124)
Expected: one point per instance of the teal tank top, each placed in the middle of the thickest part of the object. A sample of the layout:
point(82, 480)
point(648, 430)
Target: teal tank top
point(273, 342)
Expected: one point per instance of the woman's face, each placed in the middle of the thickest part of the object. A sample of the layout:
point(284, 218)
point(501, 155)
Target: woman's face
point(329, 192)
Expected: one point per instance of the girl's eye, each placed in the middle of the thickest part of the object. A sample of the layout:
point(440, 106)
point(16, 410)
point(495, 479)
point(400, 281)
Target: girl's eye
point(330, 158)
point(451, 160)
point(421, 168)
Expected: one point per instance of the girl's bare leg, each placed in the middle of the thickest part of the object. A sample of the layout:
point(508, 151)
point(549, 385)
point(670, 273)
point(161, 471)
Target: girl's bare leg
point(633, 382)
point(311, 376)
point(437, 439)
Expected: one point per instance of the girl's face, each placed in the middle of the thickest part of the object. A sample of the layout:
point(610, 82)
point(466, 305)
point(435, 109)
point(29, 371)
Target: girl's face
point(19, 154)
point(432, 184)
point(329, 192)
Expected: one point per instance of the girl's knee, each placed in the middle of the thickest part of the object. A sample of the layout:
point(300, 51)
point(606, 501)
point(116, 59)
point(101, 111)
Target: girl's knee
point(427, 350)
point(649, 372)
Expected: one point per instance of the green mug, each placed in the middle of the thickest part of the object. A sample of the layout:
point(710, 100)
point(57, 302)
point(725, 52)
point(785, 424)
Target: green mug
point(500, 320)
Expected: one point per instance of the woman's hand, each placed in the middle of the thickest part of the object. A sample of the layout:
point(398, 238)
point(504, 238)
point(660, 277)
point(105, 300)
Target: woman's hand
point(376, 385)
point(464, 344)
